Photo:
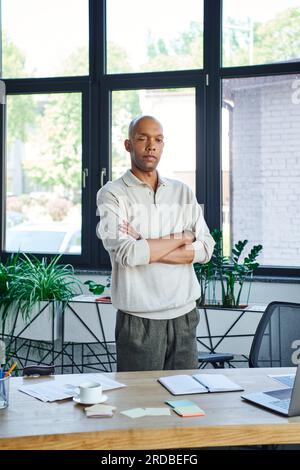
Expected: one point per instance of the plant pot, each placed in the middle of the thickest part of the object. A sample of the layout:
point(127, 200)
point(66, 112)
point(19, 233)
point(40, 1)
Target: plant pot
point(44, 323)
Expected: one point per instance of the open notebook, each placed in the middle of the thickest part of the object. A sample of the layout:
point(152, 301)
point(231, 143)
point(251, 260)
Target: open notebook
point(198, 383)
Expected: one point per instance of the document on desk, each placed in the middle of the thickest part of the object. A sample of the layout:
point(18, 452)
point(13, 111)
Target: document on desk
point(63, 387)
point(256, 308)
point(198, 383)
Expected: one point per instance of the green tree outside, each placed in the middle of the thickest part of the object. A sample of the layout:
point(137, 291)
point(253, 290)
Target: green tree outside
point(276, 40)
point(21, 106)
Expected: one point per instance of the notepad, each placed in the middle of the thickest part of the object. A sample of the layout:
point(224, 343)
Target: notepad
point(185, 408)
point(189, 411)
point(198, 383)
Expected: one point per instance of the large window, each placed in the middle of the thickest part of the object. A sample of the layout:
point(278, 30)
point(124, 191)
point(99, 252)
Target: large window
point(44, 38)
point(179, 156)
point(153, 37)
point(45, 123)
point(260, 32)
point(43, 173)
point(221, 75)
point(261, 165)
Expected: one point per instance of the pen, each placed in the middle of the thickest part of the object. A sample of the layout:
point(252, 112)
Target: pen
point(10, 370)
point(104, 299)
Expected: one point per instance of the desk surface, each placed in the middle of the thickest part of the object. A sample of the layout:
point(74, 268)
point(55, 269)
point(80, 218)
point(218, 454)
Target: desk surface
point(31, 424)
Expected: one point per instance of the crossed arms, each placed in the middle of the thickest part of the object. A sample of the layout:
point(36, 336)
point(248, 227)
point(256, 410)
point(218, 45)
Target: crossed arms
point(175, 248)
point(127, 249)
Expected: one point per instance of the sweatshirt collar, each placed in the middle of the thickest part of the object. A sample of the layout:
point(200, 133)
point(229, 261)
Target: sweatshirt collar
point(131, 180)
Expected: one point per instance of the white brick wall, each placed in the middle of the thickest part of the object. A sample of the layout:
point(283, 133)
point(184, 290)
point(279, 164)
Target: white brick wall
point(265, 167)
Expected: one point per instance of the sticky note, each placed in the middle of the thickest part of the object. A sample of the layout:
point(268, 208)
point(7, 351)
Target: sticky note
point(134, 412)
point(157, 411)
point(186, 411)
point(175, 403)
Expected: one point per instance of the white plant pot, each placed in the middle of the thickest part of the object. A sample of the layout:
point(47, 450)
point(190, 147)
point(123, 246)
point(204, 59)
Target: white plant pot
point(45, 326)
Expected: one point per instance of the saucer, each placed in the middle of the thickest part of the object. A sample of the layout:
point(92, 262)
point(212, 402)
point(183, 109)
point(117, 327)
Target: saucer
point(102, 400)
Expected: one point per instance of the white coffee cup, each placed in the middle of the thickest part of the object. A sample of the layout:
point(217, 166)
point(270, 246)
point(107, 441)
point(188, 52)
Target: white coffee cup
point(90, 392)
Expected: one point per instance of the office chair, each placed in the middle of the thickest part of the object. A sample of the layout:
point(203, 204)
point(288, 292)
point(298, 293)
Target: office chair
point(217, 360)
point(276, 342)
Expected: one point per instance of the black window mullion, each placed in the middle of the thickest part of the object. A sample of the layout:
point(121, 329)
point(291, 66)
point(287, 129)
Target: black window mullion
point(187, 78)
point(261, 70)
point(45, 85)
point(212, 60)
point(100, 126)
point(201, 170)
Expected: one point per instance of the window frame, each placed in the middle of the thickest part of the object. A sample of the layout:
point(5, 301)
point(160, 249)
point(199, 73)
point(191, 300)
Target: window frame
point(44, 86)
point(262, 70)
point(97, 88)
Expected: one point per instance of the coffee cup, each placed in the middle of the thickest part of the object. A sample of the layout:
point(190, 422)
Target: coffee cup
point(90, 392)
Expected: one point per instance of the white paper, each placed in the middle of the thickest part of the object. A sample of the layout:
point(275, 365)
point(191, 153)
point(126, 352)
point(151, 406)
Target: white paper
point(256, 308)
point(85, 298)
point(217, 382)
point(66, 386)
point(47, 391)
point(182, 385)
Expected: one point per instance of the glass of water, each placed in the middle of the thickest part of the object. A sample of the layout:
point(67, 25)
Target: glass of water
point(4, 391)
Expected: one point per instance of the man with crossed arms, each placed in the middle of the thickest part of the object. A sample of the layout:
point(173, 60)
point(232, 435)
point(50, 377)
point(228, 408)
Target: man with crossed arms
point(154, 230)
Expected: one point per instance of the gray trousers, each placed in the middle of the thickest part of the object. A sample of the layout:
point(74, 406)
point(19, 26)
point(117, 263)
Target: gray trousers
point(144, 344)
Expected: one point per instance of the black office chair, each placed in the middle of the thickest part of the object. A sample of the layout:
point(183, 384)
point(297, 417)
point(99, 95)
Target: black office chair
point(217, 360)
point(276, 342)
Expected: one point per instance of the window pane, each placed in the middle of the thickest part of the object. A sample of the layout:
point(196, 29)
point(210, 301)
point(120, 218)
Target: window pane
point(156, 36)
point(43, 173)
point(179, 157)
point(260, 32)
point(261, 165)
point(44, 39)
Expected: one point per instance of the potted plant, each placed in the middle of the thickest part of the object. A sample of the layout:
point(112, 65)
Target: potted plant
point(8, 271)
point(230, 271)
point(235, 273)
point(33, 289)
point(207, 273)
point(95, 288)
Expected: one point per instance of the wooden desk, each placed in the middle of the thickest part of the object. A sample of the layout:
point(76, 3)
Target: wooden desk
point(31, 424)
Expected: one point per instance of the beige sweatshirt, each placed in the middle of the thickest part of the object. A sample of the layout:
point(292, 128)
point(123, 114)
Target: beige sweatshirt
point(156, 290)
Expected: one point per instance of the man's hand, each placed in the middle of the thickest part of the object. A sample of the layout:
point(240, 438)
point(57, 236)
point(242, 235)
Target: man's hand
point(188, 236)
point(125, 227)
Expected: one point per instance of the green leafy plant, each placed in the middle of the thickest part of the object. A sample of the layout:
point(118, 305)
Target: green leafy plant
point(97, 289)
point(206, 273)
point(38, 280)
point(235, 273)
point(229, 270)
point(8, 272)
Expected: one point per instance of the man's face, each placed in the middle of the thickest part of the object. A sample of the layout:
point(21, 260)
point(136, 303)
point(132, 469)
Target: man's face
point(145, 144)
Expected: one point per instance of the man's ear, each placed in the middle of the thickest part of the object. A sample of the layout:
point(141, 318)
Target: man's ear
point(127, 145)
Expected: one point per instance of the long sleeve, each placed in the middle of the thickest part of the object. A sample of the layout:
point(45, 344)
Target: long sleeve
point(122, 248)
point(204, 243)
